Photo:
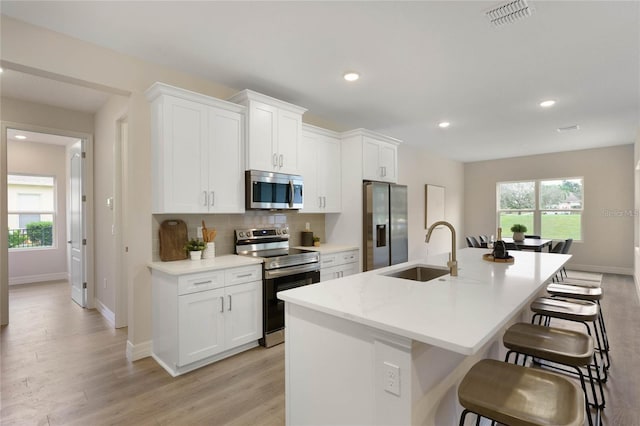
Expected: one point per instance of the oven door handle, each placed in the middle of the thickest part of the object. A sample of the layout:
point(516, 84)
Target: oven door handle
point(283, 272)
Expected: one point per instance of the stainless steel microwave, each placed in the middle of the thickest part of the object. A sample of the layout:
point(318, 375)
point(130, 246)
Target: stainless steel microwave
point(268, 190)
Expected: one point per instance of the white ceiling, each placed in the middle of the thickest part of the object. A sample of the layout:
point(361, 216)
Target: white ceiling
point(420, 62)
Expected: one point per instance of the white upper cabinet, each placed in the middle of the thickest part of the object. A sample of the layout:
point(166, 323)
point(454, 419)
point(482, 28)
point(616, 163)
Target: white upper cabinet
point(320, 168)
point(379, 159)
point(274, 132)
point(197, 152)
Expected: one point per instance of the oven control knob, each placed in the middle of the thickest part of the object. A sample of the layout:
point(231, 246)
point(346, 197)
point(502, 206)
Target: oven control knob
point(284, 231)
point(240, 234)
point(248, 234)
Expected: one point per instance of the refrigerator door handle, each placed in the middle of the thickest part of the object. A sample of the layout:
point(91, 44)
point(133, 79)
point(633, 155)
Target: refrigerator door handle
point(381, 235)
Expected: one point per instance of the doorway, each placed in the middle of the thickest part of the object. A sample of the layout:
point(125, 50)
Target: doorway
point(46, 173)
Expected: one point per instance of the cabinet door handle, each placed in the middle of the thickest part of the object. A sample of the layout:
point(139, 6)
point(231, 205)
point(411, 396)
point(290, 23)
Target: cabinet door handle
point(319, 201)
point(202, 282)
point(281, 162)
point(206, 203)
point(324, 202)
point(229, 303)
point(212, 200)
point(275, 160)
point(328, 261)
point(221, 304)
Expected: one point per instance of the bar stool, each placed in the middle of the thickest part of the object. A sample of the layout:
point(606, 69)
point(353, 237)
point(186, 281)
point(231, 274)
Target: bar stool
point(582, 311)
point(567, 347)
point(516, 395)
point(593, 294)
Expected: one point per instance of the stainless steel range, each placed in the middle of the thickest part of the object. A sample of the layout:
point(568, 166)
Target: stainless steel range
point(284, 268)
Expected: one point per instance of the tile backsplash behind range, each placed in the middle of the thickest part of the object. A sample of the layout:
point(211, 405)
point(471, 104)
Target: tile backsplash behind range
point(225, 224)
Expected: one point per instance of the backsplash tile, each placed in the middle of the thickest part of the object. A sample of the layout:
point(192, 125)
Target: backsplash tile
point(226, 224)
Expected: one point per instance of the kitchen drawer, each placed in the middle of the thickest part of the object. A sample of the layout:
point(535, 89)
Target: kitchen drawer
point(243, 275)
point(340, 258)
point(329, 260)
point(348, 256)
point(193, 283)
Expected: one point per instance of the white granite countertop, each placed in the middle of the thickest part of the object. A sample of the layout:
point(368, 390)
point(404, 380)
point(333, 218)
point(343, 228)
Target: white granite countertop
point(456, 313)
point(328, 248)
point(181, 267)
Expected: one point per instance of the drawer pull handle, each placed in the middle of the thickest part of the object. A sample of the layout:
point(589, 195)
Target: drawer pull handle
point(203, 282)
point(328, 261)
point(244, 275)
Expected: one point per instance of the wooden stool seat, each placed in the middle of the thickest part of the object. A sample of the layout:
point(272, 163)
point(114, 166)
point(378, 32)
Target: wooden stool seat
point(582, 283)
point(575, 291)
point(566, 347)
point(569, 309)
point(519, 396)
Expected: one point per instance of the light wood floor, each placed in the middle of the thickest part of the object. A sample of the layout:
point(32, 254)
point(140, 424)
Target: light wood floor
point(65, 365)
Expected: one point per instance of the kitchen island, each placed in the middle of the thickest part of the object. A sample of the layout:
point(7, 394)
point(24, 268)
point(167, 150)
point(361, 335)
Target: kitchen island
point(375, 349)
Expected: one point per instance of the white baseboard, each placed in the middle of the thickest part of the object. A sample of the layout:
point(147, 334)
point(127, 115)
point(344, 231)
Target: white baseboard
point(106, 312)
point(138, 351)
point(28, 279)
point(601, 269)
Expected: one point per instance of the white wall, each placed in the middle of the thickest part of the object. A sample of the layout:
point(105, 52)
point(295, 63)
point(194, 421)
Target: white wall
point(45, 264)
point(636, 233)
point(607, 244)
point(104, 168)
point(418, 167)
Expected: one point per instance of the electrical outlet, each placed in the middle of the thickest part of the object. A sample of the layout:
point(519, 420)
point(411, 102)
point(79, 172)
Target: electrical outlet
point(199, 232)
point(391, 378)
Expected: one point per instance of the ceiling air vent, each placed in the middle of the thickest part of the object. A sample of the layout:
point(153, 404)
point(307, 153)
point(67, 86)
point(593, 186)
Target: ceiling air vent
point(509, 13)
point(568, 128)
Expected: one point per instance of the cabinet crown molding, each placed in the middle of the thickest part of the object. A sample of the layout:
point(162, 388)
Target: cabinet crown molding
point(371, 134)
point(320, 131)
point(249, 95)
point(158, 89)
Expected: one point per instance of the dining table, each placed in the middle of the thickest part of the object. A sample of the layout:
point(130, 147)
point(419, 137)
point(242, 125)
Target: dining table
point(535, 244)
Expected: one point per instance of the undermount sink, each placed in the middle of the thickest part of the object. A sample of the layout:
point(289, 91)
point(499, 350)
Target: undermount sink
point(419, 273)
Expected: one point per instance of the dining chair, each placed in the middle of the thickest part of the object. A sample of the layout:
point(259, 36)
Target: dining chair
point(484, 239)
point(558, 247)
point(565, 250)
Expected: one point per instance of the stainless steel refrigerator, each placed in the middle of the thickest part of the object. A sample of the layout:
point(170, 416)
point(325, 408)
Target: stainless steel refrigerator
point(385, 224)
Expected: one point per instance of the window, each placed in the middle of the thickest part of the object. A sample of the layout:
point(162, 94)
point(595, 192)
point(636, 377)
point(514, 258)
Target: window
point(31, 211)
point(551, 208)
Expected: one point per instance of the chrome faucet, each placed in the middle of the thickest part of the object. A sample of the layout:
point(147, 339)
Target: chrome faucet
point(452, 263)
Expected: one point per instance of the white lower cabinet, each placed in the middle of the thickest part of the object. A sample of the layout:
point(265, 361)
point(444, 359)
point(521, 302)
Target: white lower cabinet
point(339, 264)
point(204, 317)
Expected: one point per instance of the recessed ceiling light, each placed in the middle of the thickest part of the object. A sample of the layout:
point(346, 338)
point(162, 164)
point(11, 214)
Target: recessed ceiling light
point(21, 137)
point(444, 124)
point(547, 104)
point(351, 76)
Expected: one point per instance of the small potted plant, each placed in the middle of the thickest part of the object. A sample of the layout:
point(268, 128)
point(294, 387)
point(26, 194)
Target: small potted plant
point(518, 232)
point(195, 247)
point(316, 241)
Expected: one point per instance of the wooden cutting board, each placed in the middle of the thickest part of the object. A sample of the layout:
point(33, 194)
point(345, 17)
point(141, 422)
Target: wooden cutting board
point(173, 237)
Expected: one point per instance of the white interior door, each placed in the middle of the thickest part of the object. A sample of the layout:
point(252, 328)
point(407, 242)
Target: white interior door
point(77, 239)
